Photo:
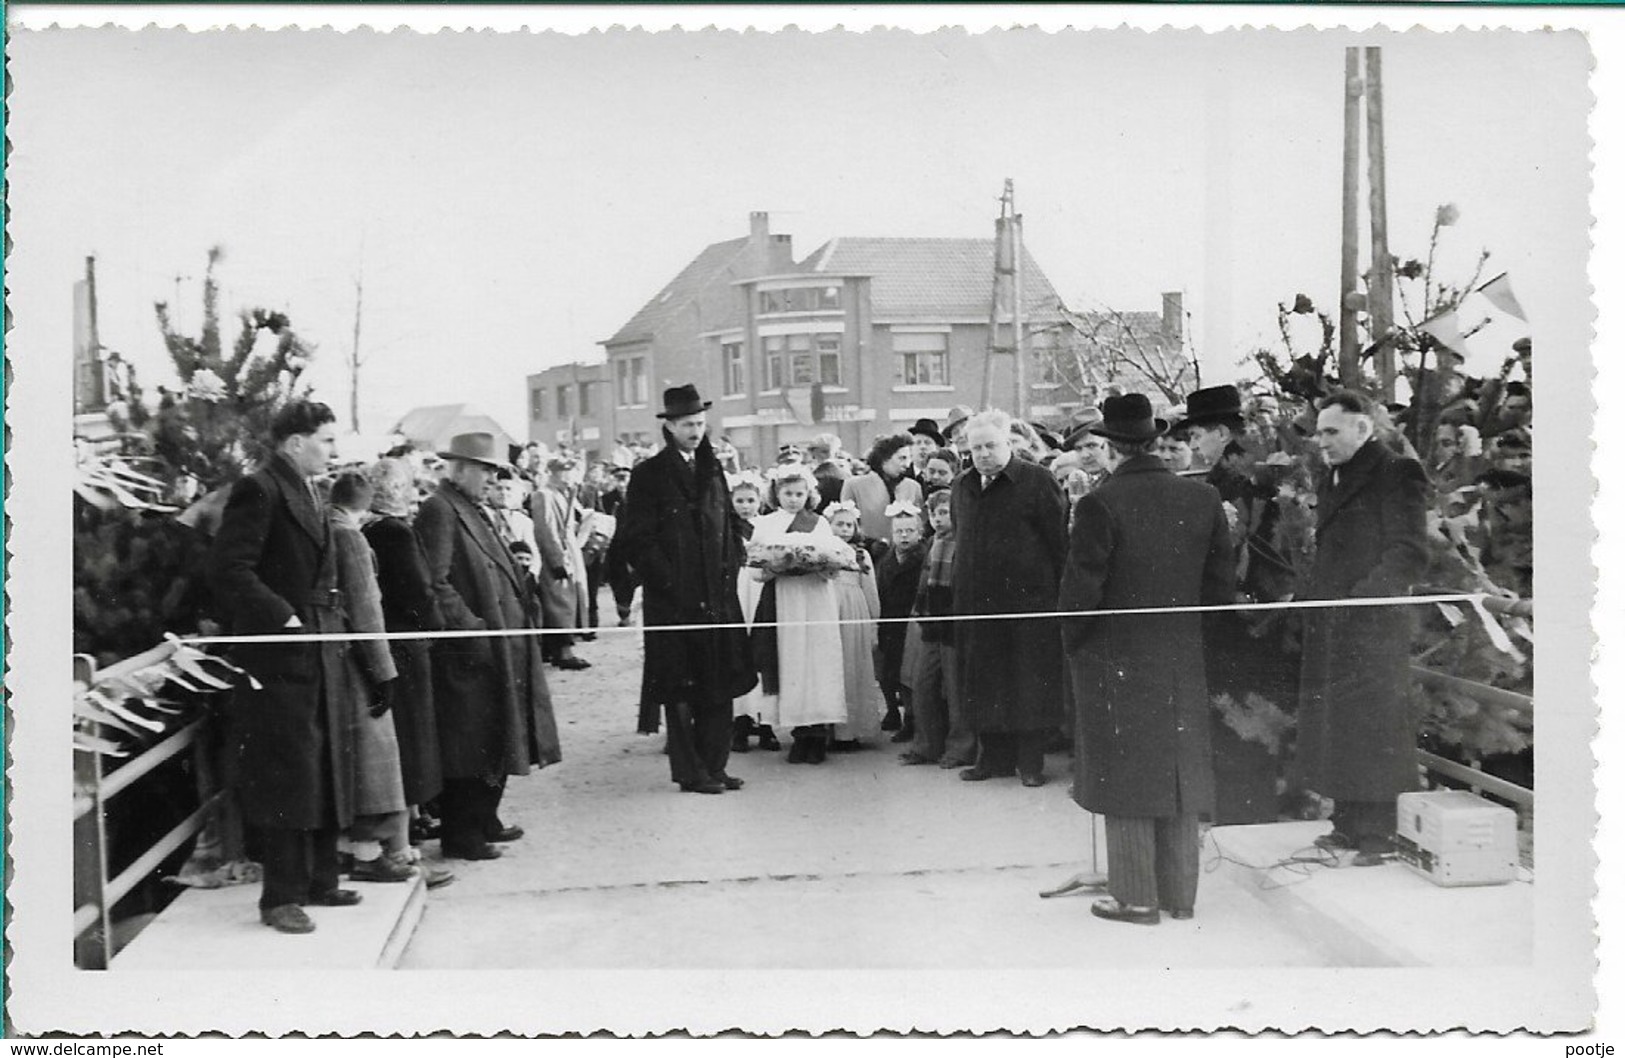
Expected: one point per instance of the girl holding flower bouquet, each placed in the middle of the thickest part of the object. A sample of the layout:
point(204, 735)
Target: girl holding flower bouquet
point(859, 603)
point(795, 635)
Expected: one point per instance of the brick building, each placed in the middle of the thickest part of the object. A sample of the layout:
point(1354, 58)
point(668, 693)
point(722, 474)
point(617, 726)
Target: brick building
point(862, 337)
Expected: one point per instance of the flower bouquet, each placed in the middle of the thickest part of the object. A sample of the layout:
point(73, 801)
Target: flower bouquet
point(799, 554)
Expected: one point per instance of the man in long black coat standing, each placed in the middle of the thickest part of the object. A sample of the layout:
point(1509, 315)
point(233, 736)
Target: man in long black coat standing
point(1356, 732)
point(1146, 537)
point(674, 531)
point(1009, 522)
point(273, 569)
point(492, 705)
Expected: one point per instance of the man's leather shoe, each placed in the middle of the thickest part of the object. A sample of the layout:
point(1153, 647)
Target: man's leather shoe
point(287, 918)
point(948, 763)
point(702, 786)
point(1113, 911)
point(382, 869)
point(728, 781)
point(589, 636)
point(1035, 779)
point(572, 662)
point(977, 773)
point(505, 833)
point(479, 850)
point(336, 898)
point(910, 757)
point(1180, 914)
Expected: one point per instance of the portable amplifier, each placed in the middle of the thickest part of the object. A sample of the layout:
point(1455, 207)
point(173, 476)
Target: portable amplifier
point(1453, 837)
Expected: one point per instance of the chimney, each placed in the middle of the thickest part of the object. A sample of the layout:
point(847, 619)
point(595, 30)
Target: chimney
point(1173, 314)
point(758, 228)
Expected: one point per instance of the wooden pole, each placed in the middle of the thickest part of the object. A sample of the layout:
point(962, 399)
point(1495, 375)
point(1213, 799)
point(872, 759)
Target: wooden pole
point(1017, 324)
point(355, 364)
point(1348, 343)
point(1381, 283)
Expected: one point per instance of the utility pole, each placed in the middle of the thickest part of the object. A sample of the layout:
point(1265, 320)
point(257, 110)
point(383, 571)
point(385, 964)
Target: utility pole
point(1380, 284)
point(1005, 251)
point(355, 364)
point(1016, 322)
point(1348, 339)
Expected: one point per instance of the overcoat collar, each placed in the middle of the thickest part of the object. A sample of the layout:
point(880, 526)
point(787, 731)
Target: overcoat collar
point(296, 492)
point(705, 462)
point(1145, 463)
point(1351, 478)
point(480, 531)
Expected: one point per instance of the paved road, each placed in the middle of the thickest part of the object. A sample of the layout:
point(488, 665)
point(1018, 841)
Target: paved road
point(858, 862)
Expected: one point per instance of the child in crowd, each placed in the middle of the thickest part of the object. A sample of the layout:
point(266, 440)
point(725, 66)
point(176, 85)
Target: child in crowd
point(859, 603)
point(378, 837)
point(897, 577)
point(805, 637)
point(940, 735)
point(939, 471)
point(746, 493)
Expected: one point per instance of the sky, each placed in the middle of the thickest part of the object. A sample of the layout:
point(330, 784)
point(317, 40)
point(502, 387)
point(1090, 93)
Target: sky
point(508, 201)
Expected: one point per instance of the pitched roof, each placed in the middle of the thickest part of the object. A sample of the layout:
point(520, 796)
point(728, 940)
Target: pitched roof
point(690, 282)
point(432, 426)
point(930, 279)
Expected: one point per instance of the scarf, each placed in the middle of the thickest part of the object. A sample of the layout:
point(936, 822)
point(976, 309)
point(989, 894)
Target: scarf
point(764, 636)
point(936, 594)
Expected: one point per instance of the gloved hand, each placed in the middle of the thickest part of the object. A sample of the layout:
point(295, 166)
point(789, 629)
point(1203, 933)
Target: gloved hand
point(560, 572)
point(383, 696)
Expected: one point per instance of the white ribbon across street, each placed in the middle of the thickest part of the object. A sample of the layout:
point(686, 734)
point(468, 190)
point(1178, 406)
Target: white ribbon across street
point(1473, 599)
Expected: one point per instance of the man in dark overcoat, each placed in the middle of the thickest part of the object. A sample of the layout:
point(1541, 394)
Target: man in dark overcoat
point(1009, 521)
point(674, 530)
point(493, 709)
point(1356, 730)
point(273, 569)
point(1146, 537)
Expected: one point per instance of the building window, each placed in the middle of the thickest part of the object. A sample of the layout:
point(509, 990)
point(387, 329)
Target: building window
point(799, 299)
point(802, 359)
point(538, 404)
point(922, 359)
point(829, 359)
point(584, 398)
point(631, 381)
point(733, 368)
point(562, 400)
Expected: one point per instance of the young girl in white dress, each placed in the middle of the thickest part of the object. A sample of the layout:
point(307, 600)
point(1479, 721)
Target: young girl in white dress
point(859, 603)
point(810, 699)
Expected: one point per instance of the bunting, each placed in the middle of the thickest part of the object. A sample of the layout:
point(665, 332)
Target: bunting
point(1445, 328)
point(1499, 293)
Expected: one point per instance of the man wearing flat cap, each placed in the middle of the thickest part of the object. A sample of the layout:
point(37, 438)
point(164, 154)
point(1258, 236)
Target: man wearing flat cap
point(490, 693)
point(675, 532)
point(1145, 538)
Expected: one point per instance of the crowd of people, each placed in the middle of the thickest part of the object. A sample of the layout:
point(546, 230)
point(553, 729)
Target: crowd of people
point(958, 544)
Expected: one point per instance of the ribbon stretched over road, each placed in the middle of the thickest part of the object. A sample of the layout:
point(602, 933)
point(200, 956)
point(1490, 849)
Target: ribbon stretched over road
point(1473, 599)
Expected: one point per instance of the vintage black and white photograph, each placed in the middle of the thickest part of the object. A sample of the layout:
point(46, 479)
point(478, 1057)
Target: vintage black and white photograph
point(777, 525)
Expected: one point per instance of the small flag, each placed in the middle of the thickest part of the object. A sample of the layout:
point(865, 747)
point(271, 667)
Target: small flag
point(1446, 330)
point(1499, 291)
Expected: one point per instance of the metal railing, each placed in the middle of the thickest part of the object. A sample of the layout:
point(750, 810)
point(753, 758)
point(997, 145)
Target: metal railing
point(94, 893)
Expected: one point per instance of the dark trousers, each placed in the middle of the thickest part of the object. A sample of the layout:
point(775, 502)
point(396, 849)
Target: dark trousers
point(1154, 862)
point(1004, 752)
point(595, 583)
point(939, 723)
point(1370, 822)
point(299, 865)
point(623, 585)
point(468, 810)
point(698, 737)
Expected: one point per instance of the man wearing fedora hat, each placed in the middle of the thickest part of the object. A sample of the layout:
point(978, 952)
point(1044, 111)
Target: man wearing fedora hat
point(1145, 538)
point(675, 531)
point(491, 698)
